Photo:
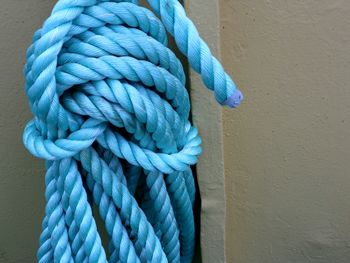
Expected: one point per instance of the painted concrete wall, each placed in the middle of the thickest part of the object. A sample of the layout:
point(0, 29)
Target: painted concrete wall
point(287, 148)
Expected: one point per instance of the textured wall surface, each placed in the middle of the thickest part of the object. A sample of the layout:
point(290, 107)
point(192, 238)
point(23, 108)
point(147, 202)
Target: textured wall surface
point(287, 148)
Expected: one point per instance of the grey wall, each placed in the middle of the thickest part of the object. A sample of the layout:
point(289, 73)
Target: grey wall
point(287, 148)
point(21, 175)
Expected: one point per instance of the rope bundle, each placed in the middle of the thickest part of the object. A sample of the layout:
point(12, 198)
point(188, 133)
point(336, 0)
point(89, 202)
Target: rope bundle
point(111, 120)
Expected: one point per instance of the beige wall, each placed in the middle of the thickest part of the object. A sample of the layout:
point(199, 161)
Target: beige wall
point(287, 148)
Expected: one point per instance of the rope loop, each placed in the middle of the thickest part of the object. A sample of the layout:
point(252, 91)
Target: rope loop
point(111, 119)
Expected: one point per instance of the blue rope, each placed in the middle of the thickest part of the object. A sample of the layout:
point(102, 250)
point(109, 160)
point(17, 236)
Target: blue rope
point(111, 120)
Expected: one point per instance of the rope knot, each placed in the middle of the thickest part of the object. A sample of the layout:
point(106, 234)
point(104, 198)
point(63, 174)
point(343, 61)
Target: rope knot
point(112, 121)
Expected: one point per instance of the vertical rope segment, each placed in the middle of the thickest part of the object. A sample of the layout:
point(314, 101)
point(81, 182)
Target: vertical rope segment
point(111, 119)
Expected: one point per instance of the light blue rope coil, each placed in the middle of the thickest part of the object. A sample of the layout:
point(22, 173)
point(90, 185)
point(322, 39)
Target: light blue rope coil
point(111, 120)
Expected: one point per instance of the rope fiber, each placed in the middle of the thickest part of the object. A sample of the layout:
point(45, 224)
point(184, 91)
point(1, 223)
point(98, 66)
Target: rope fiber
point(111, 120)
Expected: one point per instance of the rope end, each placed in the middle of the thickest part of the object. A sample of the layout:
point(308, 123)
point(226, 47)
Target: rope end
point(235, 99)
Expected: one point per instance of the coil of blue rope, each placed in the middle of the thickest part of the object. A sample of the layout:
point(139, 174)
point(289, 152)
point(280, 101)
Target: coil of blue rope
point(111, 119)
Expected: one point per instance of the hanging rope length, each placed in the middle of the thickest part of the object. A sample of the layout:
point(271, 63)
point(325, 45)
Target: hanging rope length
point(111, 120)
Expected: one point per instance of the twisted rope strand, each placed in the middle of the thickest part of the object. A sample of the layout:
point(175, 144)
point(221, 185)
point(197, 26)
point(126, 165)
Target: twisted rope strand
point(111, 119)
